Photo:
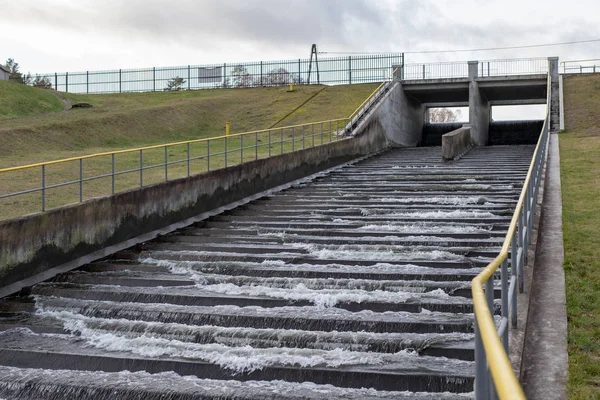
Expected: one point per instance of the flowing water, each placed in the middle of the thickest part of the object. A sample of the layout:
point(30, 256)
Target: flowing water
point(353, 286)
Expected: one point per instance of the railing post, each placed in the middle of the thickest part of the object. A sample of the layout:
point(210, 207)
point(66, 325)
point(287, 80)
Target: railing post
point(189, 77)
point(43, 188)
point(66, 82)
point(225, 151)
point(281, 142)
point(112, 174)
point(141, 169)
point(120, 81)
point(188, 158)
point(80, 180)
point(505, 310)
point(87, 82)
point(313, 135)
point(241, 149)
point(293, 138)
point(256, 146)
point(166, 165)
point(514, 261)
point(303, 136)
point(481, 381)
point(269, 133)
point(55, 81)
point(521, 240)
point(154, 79)
point(208, 155)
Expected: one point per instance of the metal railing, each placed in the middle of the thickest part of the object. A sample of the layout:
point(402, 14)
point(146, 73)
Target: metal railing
point(112, 172)
point(590, 66)
point(511, 67)
point(494, 376)
point(330, 71)
point(519, 66)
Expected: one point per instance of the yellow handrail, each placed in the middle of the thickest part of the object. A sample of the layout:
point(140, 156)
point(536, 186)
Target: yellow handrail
point(367, 100)
point(159, 146)
point(498, 362)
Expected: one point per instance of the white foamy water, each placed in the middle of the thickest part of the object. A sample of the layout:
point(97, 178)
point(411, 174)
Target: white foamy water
point(430, 214)
point(124, 383)
point(425, 228)
point(446, 200)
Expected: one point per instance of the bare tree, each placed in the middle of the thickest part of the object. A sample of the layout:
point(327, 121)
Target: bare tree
point(277, 77)
point(444, 115)
point(241, 77)
point(175, 83)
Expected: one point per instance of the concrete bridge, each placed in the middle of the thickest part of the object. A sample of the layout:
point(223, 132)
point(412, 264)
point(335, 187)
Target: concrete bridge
point(339, 271)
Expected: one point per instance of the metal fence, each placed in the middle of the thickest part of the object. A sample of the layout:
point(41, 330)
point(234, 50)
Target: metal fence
point(590, 66)
point(330, 71)
point(494, 376)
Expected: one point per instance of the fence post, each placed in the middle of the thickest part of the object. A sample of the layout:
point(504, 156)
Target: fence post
point(350, 70)
point(261, 73)
point(224, 74)
point(80, 180)
point(66, 82)
point(154, 79)
point(87, 82)
point(189, 75)
point(120, 81)
point(55, 81)
point(43, 188)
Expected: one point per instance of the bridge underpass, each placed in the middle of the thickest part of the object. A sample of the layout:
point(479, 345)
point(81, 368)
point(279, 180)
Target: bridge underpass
point(358, 279)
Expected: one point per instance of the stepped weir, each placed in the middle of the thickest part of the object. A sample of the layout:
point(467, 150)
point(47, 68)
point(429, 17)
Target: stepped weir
point(358, 279)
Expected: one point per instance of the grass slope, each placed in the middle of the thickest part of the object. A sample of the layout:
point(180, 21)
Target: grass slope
point(580, 174)
point(119, 121)
point(17, 100)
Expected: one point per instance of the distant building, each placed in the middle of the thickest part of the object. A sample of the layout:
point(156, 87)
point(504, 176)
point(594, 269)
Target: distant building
point(4, 73)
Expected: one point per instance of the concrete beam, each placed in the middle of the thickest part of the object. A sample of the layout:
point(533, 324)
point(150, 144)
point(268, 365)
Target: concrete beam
point(456, 143)
point(479, 108)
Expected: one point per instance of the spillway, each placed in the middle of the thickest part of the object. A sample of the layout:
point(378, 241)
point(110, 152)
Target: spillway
point(355, 285)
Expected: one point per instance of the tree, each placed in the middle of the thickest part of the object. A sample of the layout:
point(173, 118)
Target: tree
point(241, 77)
point(13, 68)
point(175, 83)
point(277, 77)
point(41, 82)
point(444, 115)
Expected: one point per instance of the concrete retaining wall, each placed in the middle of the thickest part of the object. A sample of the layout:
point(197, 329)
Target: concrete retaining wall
point(456, 143)
point(37, 247)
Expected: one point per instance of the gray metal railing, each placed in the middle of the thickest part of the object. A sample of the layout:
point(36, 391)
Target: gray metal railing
point(494, 377)
point(591, 66)
point(520, 66)
point(112, 172)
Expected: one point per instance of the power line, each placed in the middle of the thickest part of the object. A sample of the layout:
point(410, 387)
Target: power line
point(471, 50)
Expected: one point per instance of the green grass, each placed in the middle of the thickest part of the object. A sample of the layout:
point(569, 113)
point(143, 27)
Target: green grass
point(121, 121)
point(580, 175)
point(19, 101)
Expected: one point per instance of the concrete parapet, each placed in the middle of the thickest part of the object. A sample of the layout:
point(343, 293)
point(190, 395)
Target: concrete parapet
point(39, 246)
point(456, 143)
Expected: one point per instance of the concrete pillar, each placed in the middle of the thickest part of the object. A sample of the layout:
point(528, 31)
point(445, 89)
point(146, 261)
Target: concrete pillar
point(401, 118)
point(479, 108)
point(554, 94)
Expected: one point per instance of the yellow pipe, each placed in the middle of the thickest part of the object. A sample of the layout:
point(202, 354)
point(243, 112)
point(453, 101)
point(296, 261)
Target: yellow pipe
point(227, 128)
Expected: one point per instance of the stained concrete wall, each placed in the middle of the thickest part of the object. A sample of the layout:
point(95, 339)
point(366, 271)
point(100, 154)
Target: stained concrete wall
point(37, 247)
point(401, 117)
point(479, 109)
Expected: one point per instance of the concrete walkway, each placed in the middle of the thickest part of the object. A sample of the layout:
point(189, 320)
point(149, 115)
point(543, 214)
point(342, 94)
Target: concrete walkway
point(545, 360)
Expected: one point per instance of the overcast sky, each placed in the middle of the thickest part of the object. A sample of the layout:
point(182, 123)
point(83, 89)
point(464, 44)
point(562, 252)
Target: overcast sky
point(80, 35)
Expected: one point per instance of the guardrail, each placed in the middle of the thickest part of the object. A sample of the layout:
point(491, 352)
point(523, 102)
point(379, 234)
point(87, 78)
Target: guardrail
point(77, 179)
point(494, 376)
point(42, 186)
point(590, 66)
point(510, 67)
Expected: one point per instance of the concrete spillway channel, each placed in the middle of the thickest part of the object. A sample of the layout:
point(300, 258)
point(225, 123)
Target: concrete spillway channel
point(355, 286)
